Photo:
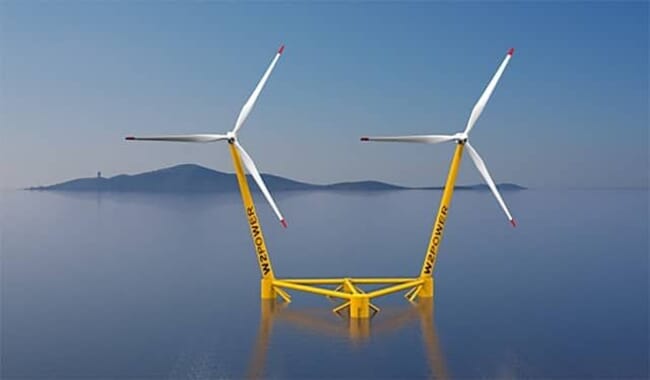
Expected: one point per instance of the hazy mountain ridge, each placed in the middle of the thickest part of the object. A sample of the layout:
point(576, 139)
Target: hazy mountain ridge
point(190, 178)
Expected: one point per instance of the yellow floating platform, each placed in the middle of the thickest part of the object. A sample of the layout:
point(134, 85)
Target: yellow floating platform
point(355, 300)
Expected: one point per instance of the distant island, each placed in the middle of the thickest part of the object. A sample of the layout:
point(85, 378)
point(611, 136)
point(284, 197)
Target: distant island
point(190, 178)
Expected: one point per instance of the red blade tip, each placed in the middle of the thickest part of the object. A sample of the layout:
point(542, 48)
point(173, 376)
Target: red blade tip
point(281, 49)
point(129, 138)
point(514, 224)
point(284, 223)
point(364, 139)
point(511, 51)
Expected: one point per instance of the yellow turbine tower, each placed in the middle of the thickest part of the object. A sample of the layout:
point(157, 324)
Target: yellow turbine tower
point(240, 158)
point(462, 141)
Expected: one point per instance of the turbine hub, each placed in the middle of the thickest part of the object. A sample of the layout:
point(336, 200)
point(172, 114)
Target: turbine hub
point(461, 138)
point(231, 137)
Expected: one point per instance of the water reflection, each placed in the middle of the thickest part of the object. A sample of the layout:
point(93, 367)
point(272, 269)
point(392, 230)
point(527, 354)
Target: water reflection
point(357, 331)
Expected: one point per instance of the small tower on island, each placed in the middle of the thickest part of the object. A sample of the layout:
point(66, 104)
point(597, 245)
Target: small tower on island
point(99, 174)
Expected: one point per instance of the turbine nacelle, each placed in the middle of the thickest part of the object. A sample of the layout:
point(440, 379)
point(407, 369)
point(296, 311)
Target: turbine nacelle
point(460, 137)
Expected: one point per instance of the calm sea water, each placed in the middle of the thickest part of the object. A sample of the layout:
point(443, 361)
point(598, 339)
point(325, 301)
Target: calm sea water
point(151, 286)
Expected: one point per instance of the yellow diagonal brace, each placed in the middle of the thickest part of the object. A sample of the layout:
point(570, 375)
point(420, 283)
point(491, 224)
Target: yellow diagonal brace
point(347, 284)
point(336, 290)
point(285, 296)
point(341, 307)
point(408, 294)
point(415, 293)
point(393, 289)
point(311, 289)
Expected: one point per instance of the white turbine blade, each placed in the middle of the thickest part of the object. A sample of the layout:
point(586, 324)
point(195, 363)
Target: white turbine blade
point(248, 106)
point(252, 169)
point(426, 139)
point(482, 101)
point(181, 138)
point(480, 165)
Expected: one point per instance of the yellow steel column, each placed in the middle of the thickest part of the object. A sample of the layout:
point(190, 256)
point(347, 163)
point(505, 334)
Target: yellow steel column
point(439, 225)
point(359, 306)
point(263, 257)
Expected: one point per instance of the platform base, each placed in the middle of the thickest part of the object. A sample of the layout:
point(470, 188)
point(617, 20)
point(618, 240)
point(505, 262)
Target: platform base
point(356, 302)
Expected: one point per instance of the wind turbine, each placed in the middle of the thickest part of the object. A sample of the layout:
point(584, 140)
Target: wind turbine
point(462, 138)
point(231, 138)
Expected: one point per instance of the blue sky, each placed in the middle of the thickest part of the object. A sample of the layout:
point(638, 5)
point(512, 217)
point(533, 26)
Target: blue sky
point(570, 111)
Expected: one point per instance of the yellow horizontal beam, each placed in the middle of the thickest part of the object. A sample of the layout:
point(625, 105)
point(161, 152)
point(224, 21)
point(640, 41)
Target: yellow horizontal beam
point(318, 281)
point(311, 289)
point(394, 288)
point(387, 280)
point(360, 280)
